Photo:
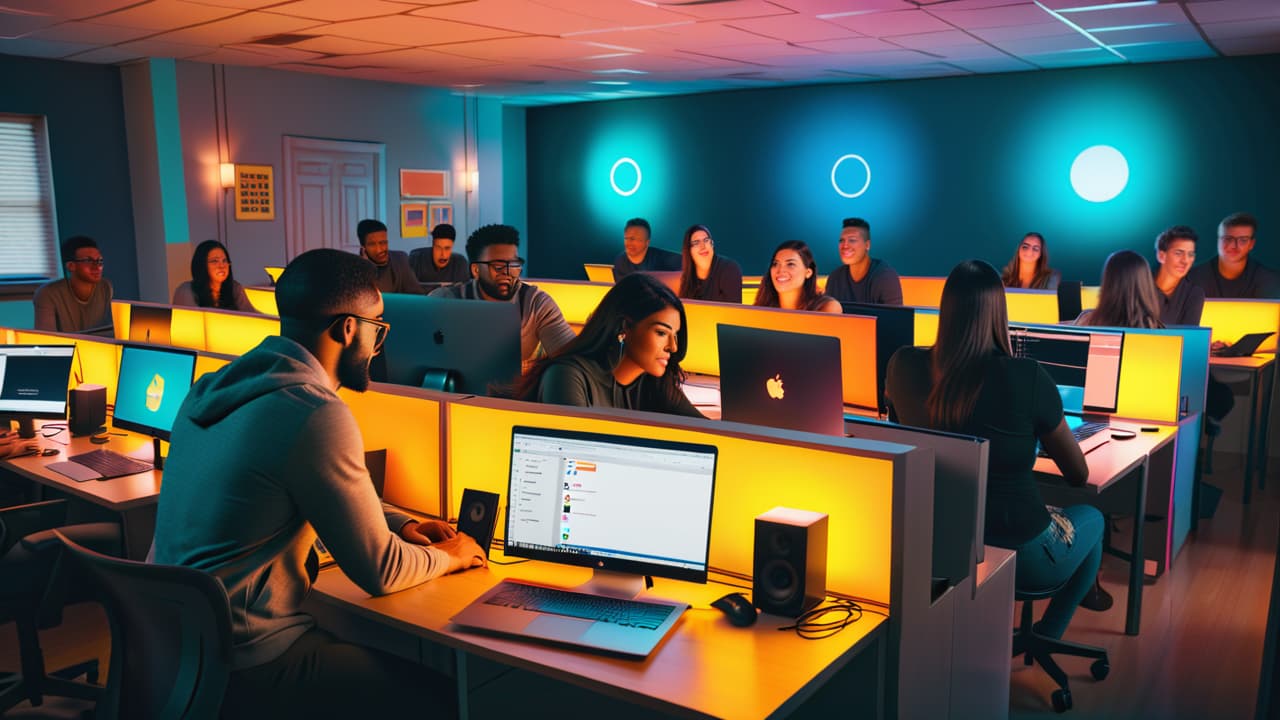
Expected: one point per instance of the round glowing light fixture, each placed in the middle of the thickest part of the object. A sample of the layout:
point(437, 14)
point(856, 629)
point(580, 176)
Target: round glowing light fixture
point(613, 182)
point(1099, 173)
point(836, 185)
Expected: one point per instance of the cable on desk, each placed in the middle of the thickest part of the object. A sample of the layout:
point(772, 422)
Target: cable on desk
point(497, 544)
point(816, 625)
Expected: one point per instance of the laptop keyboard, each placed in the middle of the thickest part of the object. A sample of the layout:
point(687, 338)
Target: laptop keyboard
point(110, 464)
point(630, 613)
point(1082, 432)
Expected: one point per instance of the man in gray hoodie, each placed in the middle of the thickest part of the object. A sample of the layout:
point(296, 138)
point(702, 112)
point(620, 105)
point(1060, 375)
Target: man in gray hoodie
point(264, 457)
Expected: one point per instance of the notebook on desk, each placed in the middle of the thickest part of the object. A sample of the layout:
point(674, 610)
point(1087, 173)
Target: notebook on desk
point(781, 379)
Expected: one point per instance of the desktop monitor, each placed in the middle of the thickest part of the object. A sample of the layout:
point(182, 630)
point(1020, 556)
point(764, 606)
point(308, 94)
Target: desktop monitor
point(468, 344)
point(1083, 362)
point(150, 324)
point(895, 328)
point(153, 383)
point(595, 500)
point(33, 383)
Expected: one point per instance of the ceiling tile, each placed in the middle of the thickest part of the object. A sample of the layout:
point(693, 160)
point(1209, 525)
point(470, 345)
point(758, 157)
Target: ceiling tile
point(760, 54)
point(1027, 47)
point(153, 47)
point(162, 15)
point(852, 45)
point(238, 4)
point(885, 24)
point(928, 41)
point(1085, 58)
point(1024, 32)
point(336, 10)
point(843, 7)
point(521, 48)
point(41, 48)
point(236, 56)
point(793, 28)
point(343, 46)
point(518, 16)
point(419, 59)
point(620, 15)
point(1228, 10)
point(992, 17)
point(67, 9)
point(278, 53)
point(1241, 28)
point(1165, 51)
point(736, 10)
point(14, 25)
point(106, 56)
point(998, 64)
point(237, 29)
point(410, 30)
point(1162, 34)
point(1249, 45)
point(90, 33)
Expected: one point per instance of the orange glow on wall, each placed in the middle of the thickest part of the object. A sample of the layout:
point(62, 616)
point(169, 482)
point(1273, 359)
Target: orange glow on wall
point(922, 291)
point(407, 425)
point(576, 298)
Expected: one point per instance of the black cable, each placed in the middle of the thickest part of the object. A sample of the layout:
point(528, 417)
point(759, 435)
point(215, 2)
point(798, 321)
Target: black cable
point(813, 624)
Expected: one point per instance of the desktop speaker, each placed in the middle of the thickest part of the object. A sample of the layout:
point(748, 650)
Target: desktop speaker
point(478, 516)
point(790, 575)
point(88, 404)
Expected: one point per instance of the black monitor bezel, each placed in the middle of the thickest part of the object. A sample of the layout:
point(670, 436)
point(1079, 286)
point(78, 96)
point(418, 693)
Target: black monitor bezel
point(633, 567)
point(1090, 331)
point(37, 415)
point(143, 428)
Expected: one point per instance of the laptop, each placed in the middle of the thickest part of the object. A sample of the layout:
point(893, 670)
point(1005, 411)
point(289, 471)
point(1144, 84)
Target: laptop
point(781, 379)
point(1245, 346)
point(1090, 432)
point(599, 272)
point(590, 500)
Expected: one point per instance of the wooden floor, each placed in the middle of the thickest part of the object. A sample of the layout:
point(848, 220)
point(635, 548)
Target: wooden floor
point(1197, 656)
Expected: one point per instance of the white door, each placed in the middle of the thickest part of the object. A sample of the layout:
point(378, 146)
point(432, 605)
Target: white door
point(329, 186)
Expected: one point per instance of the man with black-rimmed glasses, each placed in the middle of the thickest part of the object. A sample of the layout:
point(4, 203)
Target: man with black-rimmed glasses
point(1232, 273)
point(494, 252)
point(81, 301)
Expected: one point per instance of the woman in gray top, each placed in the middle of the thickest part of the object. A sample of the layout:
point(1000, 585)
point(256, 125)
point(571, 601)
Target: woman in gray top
point(212, 285)
point(627, 355)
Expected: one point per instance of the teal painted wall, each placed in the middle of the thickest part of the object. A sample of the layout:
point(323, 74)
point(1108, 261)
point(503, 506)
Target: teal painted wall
point(960, 167)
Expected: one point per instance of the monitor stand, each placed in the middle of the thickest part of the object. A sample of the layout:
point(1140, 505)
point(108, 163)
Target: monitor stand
point(610, 583)
point(157, 460)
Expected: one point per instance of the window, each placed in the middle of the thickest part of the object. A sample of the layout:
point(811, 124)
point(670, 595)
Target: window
point(28, 233)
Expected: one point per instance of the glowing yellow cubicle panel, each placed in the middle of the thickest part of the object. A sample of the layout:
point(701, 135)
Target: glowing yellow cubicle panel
point(186, 328)
point(599, 272)
point(274, 272)
point(752, 475)
point(209, 363)
point(1032, 306)
point(576, 299)
point(1232, 319)
point(749, 293)
point(407, 423)
point(1089, 297)
point(857, 335)
point(1150, 377)
point(96, 361)
point(232, 333)
point(922, 291)
point(263, 300)
point(752, 280)
point(926, 327)
point(120, 316)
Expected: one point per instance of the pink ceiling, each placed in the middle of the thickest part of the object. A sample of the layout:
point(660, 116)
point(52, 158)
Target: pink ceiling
point(531, 51)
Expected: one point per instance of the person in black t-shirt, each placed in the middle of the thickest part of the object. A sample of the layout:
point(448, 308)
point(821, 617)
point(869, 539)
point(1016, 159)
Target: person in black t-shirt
point(1232, 273)
point(638, 256)
point(1181, 302)
point(706, 274)
point(970, 383)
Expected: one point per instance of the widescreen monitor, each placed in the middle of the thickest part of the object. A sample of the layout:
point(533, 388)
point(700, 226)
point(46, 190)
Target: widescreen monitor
point(153, 383)
point(622, 504)
point(1083, 362)
point(33, 382)
point(469, 345)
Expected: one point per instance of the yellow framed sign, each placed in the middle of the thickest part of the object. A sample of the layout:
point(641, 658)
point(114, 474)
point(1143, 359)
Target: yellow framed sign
point(255, 192)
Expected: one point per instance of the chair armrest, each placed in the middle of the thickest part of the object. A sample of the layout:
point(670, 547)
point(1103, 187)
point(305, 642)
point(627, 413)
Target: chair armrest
point(22, 520)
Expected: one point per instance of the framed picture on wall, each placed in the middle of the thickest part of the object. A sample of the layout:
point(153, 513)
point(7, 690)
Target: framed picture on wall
point(440, 213)
point(413, 220)
point(424, 183)
point(255, 192)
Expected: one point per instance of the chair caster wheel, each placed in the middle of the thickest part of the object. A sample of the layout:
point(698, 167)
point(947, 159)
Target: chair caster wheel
point(1100, 669)
point(1061, 700)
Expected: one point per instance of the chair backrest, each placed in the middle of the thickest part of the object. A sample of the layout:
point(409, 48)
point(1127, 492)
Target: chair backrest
point(19, 521)
point(1070, 303)
point(170, 637)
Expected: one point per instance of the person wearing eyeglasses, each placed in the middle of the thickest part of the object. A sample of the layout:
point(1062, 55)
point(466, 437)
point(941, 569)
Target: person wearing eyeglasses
point(1181, 302)
point(638, 256)
point(251, 516)
point(494, 252)
point(394, 273)
point(212, 284)
point(862, 278)
point(707, 275)
point(1029, 268)
point(1232, 273)
point(81, 301)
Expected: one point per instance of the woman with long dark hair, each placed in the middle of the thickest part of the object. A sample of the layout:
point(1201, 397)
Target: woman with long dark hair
point(706, 274)
point(970, 383)
point(1029, 267)
point(1128, 296)
point(212, 285)
point(627, 355)
point(792, 281)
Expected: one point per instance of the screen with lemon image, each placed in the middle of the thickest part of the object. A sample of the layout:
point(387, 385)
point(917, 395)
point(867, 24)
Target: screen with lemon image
point(153, 384)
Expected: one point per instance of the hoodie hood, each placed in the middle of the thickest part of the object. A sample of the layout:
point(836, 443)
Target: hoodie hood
point(275, 364)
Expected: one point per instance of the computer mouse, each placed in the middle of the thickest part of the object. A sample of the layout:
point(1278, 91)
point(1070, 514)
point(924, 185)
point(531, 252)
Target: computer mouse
point(1121, 434)
point(737, 608)
point(49, 451)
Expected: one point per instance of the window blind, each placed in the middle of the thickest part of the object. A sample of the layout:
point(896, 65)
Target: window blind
point(28, 236)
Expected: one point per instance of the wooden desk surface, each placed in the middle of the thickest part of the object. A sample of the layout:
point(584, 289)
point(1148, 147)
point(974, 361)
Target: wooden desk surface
point(116, 494)
point(1114, 459)
point(705, 667)
point(1251, 362)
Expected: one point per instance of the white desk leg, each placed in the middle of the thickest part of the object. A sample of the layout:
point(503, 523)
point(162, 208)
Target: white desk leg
point(460, 672)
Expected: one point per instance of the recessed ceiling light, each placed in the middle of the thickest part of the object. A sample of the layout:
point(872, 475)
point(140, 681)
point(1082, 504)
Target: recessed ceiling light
point(610, 82)
point(1113, 6)
point(620, 71)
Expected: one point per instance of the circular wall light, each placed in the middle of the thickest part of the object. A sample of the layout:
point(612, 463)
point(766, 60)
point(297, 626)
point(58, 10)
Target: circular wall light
point(1099, 173)
point(613, 182)
point(836, 185)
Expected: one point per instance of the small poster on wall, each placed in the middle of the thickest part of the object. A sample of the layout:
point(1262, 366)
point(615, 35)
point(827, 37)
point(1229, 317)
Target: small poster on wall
point(255, 192)
point(440, 213)
point(413, 220)
point(424, 183)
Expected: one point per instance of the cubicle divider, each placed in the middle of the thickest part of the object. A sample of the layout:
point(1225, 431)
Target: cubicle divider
point(1233, 319)
point(576, 298)
point(263, 300)
point(926, 326)
point(1032, 306)
point(857, 335)
point(225, 332)
point(922, 291)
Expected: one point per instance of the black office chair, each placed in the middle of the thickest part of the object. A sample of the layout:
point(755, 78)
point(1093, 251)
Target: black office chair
point(170, 637)
point(1040, 649)
point(1070, 303)
point(33, 590)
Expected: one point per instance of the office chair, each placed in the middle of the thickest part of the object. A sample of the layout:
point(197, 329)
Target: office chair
point(1069, 300)
point(170, 637)
point(1040, 649)
point(33, 590)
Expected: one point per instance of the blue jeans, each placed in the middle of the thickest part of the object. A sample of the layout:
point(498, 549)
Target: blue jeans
point(1051, 558)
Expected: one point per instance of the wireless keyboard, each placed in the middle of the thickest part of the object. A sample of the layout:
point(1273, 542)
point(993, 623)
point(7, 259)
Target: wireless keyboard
point(632, 613)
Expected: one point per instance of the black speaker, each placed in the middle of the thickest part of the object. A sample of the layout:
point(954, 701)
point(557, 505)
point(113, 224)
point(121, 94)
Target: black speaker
point(88, 405)
point(478, 516)
point(790, 575)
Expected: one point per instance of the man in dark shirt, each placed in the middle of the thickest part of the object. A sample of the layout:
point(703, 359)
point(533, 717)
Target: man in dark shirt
point(1180, 302)
point(394, 273)
point(862, 278)
point(1231, 273)
point(439, 263)
point(637, 256)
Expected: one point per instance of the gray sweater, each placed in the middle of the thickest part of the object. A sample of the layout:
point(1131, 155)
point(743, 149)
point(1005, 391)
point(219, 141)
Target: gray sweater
point(264, 457)
point(542, 325)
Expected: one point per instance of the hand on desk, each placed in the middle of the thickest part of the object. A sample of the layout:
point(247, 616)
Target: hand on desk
point(1217, 346)
point(464, 553)
point(13, 446)
point(427, 532)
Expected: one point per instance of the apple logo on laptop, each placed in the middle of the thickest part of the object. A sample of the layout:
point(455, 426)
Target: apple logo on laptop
point(774, 386)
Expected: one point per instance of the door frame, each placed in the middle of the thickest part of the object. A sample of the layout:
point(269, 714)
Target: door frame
point(296, 143)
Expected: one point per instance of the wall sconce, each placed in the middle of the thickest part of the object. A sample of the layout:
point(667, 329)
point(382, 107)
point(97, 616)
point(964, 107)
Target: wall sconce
point(227, 175)
point(473, 181)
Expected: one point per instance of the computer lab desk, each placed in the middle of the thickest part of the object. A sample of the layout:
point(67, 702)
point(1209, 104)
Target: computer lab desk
point(132, 497)
point(704, 668)
point(1261, 371)
point(1118, 475)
